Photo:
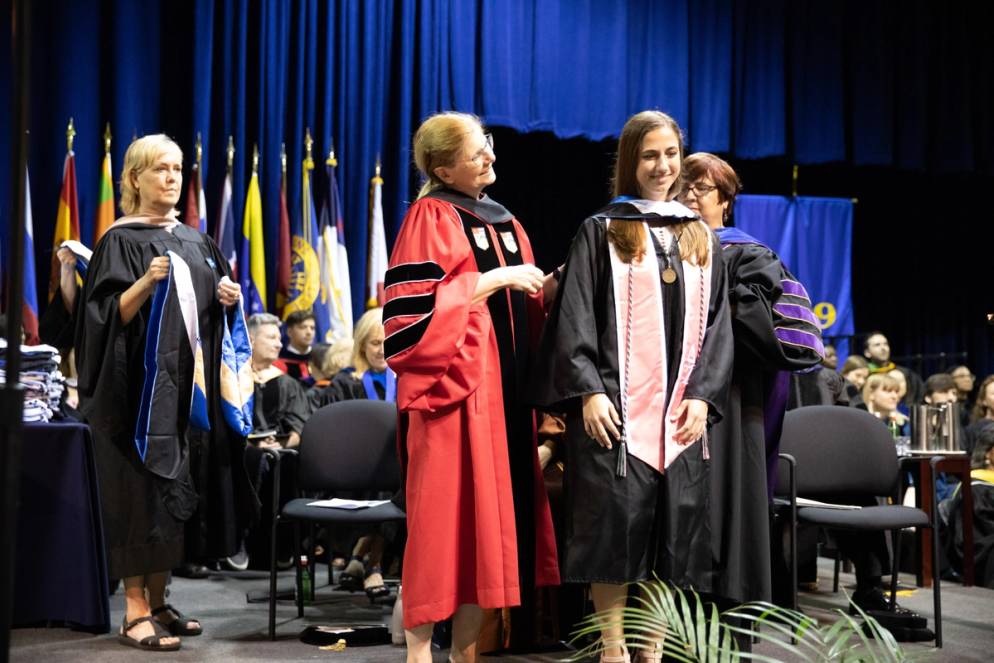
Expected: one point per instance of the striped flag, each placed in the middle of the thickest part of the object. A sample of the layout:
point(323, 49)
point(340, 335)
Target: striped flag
point(105, 208)
point(377, 255)
point(66, 221)
point(29, 304)
point(253, 255)
point(334, 258)
point(196, 204)
point(284, 291)
point(224, 232)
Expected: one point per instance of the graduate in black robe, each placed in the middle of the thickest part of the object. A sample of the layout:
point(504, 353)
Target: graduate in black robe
point(775, 332)
point(111, 374)
point(638, 343)
point(147, 503)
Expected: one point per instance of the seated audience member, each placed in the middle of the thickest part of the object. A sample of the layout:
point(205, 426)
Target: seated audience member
point(982, 485)
point(855, 370)
point(368, 375)
point(965, 381)
point(880, 397)
point(281, 403)
point(280, 407)
point(904, 399)
point(982, 416)
point(876, 349)
point(940, 389)
point(300, 330)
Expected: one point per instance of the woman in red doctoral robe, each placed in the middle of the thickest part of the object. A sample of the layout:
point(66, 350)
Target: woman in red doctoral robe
point(463, 313)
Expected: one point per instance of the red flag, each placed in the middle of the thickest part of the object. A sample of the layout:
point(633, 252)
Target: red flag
point(67, 221)
point(283, 253)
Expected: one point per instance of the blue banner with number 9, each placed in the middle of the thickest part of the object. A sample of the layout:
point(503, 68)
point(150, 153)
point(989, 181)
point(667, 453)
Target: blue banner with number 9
point(813, 237)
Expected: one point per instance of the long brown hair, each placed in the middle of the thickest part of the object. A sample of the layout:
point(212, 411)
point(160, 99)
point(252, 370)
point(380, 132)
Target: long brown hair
point(629, 238)
point(979, 409)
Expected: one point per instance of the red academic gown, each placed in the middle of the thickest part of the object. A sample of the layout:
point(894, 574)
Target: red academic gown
point(476, 501)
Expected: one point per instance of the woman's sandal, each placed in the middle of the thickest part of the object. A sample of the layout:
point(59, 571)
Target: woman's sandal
point(375, 592)
point(351, 578)
point(150, 642)
point(180, 625)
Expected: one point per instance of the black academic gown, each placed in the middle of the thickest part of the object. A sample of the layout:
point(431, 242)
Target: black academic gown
point(344, 387)
point(144, 514)
point(748, 436)
point(622, 529)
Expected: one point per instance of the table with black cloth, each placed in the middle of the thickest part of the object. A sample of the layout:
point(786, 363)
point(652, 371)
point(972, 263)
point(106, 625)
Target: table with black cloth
point(60, 564)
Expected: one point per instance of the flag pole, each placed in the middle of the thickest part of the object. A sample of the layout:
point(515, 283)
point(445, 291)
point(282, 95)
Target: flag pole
point(231, 153)
point(107, 138)
point(11, 393)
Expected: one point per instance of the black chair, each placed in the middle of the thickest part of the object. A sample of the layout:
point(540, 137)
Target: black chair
point(838, 452)
point(349, 446)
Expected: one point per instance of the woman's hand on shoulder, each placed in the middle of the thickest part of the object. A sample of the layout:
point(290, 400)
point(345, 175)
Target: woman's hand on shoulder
point(600, 419)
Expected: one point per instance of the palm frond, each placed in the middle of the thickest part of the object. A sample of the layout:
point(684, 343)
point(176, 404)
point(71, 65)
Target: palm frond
point(691, 632)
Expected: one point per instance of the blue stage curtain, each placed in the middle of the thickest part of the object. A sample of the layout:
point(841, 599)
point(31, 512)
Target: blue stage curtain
point(813, 237)
point(868, 82)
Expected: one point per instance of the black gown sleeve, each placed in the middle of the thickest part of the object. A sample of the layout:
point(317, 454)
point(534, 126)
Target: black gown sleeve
point(710, 378)
point(756, 278)
point(57, 324)
point(106, 349)
point(569, 356)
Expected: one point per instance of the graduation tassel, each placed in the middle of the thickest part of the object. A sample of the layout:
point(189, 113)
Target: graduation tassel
point(622, 468)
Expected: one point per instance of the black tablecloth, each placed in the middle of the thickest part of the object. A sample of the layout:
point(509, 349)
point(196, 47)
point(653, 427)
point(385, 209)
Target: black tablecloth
point(60, 567)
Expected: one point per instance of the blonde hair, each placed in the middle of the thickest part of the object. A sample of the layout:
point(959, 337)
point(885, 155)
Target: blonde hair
point(370, 321)
point(629, 238)
point(437, 143)
point(141, 154)
point(879, 381)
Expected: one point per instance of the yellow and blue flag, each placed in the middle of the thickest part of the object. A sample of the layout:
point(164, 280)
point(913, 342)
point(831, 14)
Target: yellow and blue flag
point(252, 265)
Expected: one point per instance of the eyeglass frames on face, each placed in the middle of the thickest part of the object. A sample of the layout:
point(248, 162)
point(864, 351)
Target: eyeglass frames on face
point(489, 145)
point(700, 189)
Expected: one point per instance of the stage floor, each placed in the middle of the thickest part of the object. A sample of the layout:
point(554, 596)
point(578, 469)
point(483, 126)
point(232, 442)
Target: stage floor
point(236, 630)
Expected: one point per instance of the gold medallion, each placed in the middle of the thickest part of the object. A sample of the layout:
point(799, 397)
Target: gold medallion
point(669, 275)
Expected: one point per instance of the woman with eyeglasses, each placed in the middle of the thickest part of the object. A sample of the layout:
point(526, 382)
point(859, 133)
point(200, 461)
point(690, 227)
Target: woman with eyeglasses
point(637, 352)
point(775, 333)
point(464, 300)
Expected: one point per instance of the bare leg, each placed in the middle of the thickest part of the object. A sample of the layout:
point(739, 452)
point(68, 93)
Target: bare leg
point(465, 632)
point(419, 643)
point(374, 577)
point(610, 601)
point(361, 546)
point(136, 605)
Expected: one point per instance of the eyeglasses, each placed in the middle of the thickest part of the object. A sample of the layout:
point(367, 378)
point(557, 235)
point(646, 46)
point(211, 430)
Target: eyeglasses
point(700, 189)
point(489, 145)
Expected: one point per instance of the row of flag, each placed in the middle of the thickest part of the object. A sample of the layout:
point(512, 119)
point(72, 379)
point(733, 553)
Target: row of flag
point(312, 270)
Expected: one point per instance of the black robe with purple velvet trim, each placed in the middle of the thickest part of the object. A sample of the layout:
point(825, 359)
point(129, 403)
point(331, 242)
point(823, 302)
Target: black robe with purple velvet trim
point(748, 436)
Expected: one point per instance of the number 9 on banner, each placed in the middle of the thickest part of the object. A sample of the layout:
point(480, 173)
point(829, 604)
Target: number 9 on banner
point(825, 312)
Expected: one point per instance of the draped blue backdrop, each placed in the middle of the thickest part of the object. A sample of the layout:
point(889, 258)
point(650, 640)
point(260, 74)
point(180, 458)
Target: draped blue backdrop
point(870, 82)
point(813, 237)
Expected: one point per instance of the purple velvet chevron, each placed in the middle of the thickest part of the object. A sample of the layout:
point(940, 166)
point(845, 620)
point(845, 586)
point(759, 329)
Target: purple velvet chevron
point(796, 312)
point(794, 288)
point(802, 338)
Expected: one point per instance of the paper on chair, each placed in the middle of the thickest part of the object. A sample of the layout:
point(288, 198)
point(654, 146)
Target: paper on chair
point(803, 501)
point(338, 503)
